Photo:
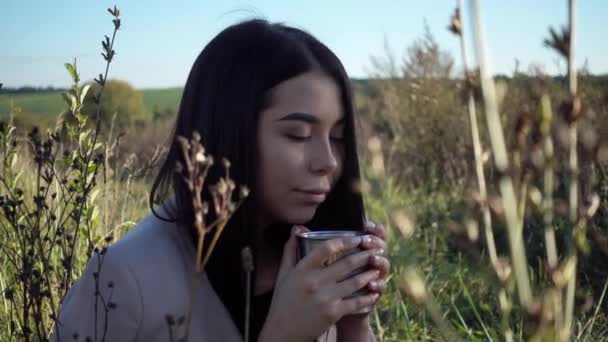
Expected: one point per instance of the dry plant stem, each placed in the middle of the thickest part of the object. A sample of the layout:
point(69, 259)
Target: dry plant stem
point(221, 224)
point(521, 210)
point(548, 184)
point(518, 253)
point(216, 236)
point(556, 306)
point(196, 168)
point(505, 306)
point(571, 287)
point(481, 180)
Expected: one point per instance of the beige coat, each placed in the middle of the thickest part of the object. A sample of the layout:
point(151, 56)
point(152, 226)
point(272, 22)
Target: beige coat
point(143, 279)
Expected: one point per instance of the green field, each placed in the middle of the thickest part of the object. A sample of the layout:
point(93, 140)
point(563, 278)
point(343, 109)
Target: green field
point(161, 98)
point(43, 104)
point(51, 103)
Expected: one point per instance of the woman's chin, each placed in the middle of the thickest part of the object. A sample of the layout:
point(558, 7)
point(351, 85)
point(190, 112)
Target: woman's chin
point(301, 216)
point(301, 220)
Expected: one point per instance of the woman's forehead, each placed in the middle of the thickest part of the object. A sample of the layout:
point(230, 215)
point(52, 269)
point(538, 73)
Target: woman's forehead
point(312, 93)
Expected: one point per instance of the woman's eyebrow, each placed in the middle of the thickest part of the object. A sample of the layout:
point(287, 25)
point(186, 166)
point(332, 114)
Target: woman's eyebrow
point(305, 117)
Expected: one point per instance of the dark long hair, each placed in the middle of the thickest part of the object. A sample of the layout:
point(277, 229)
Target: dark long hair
point(227, 88)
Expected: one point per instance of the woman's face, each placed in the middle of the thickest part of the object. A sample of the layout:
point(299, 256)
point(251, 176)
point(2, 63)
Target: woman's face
point(300, 151)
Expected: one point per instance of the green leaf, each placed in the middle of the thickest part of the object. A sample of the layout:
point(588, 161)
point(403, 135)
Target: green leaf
point(73, 102)
point(580, 238)
point(13, 160)
point(17, 176)
point(90, 177)
point(91, 169)
point(72, 70)
point(82, 137)
point(96, 239)
point(80, 117)
point(93, 195)
point(94, 214)
point(67, 99)
point(84, 92)
point(83, 230)
point(88, 213)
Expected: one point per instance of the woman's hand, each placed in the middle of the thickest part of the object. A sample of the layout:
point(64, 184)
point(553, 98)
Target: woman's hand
point(356, 327)
point(377, 240)
point(309, 296)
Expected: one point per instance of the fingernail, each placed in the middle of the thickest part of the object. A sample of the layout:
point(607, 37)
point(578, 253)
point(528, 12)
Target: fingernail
point(296, 229)
point(380, 251)
point(355, 240)
point(366, 239)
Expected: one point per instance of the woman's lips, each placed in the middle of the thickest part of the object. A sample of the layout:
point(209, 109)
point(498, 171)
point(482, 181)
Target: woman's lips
point(316, 197)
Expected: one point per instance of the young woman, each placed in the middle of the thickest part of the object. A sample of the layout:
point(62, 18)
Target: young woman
point(277, 103)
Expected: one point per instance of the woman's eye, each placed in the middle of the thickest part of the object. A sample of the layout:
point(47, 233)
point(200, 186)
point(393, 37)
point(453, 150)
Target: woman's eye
point(295, 137)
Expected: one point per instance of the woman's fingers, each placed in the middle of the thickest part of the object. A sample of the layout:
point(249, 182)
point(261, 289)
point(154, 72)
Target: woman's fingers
point(329, 249)
point(302, 229)
point(289, 254)
point(349, 286)
point(376, 229)
point(380, 263)
point(354, 304)
point(378, 286)
point(345, 266)
point(371, 241)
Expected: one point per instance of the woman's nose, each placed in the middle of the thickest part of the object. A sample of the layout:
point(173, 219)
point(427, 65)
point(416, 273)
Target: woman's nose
point(324, 159)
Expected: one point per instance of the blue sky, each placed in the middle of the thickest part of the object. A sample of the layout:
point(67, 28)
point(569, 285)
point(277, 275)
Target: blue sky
point(159, 40)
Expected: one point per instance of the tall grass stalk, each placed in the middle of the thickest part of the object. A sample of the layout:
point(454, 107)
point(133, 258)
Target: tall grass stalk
point(457, 27)
point(501, 161)
point(547, 204)
point(548, 181)
point(573, 160)
point(477, 150)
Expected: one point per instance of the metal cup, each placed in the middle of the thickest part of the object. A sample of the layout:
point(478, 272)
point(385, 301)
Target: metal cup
point(308, 241)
